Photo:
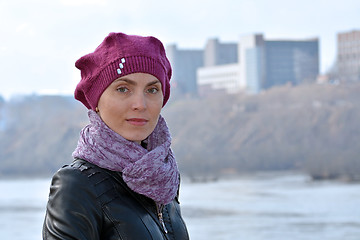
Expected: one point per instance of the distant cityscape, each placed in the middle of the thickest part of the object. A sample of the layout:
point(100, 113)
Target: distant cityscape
point(254, 64)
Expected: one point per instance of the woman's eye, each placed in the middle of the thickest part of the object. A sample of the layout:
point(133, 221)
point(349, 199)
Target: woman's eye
point(122, 89)
point(153, 90)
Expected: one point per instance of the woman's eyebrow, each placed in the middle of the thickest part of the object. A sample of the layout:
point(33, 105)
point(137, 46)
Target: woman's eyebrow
point(132, 82)
point(153, 82)
point(127, 80)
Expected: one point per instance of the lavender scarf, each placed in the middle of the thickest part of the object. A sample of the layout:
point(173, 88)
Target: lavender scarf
point(152, 172)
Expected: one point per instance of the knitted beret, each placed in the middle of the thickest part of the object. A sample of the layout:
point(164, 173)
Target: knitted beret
point(119, 55)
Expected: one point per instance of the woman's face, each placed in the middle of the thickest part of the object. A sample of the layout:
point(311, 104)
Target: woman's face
point(131, 105)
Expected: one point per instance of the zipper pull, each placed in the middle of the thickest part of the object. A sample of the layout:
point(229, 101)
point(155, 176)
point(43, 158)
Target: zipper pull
point(161, 219)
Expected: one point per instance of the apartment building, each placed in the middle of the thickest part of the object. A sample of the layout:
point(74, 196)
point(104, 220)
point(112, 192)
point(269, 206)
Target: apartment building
point(348, 56)
point(217, 53)
point(186, 62)
point(290, 61)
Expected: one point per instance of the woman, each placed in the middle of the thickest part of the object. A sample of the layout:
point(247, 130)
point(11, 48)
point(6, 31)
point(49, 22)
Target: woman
point(124, 181)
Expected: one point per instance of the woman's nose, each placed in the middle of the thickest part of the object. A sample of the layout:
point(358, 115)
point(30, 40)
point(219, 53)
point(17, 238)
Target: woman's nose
point(139, 102)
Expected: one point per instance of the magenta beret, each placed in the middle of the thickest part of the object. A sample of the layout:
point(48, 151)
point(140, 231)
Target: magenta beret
point(119, 55)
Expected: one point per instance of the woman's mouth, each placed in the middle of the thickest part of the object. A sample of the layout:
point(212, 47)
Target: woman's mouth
point(137, 121)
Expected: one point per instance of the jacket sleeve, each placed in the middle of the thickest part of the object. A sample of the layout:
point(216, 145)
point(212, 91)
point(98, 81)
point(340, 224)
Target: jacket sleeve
point(73, 211)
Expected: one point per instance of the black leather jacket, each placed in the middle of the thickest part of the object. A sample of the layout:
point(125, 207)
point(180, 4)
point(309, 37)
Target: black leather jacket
point(88, 202)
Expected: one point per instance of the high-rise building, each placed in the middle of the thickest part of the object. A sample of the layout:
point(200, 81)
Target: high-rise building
point(291, 61)
point(263, 64)
point(184, 65)
point(251, 60)
point(348, 56)
point(220, 69)
point(217, 53)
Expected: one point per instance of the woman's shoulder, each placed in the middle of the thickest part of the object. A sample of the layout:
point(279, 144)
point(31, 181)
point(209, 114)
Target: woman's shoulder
point(80, 176)
point(78, 171)
point(72, 198)
point(83, 176)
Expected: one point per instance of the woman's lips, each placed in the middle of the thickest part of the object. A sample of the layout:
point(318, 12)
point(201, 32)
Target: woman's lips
point(137, 121)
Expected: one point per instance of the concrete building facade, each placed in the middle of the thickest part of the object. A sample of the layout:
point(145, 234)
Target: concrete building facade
point(348, 56)
point(251, 60)
point(184, 66)
point(217, 53)
point(291, 61)
point(185, 63)
point(222, 78)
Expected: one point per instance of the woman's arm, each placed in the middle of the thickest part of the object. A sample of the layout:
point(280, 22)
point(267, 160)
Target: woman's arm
point(73, 211)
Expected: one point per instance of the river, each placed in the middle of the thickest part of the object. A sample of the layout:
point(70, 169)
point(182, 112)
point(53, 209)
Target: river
point(256, 207)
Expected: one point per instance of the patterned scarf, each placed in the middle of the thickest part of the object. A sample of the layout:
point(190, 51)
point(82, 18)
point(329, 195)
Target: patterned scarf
point(151, 172)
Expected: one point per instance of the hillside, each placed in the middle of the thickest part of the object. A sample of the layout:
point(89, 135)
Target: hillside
point(311, 127)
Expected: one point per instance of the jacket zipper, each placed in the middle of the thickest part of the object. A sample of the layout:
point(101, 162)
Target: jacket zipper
point(159, 208)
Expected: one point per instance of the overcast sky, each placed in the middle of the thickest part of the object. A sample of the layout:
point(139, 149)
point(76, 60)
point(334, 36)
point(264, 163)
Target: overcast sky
point(42, 39)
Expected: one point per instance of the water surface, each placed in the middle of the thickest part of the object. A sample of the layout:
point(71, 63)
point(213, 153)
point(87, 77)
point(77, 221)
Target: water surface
point(258, 207)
